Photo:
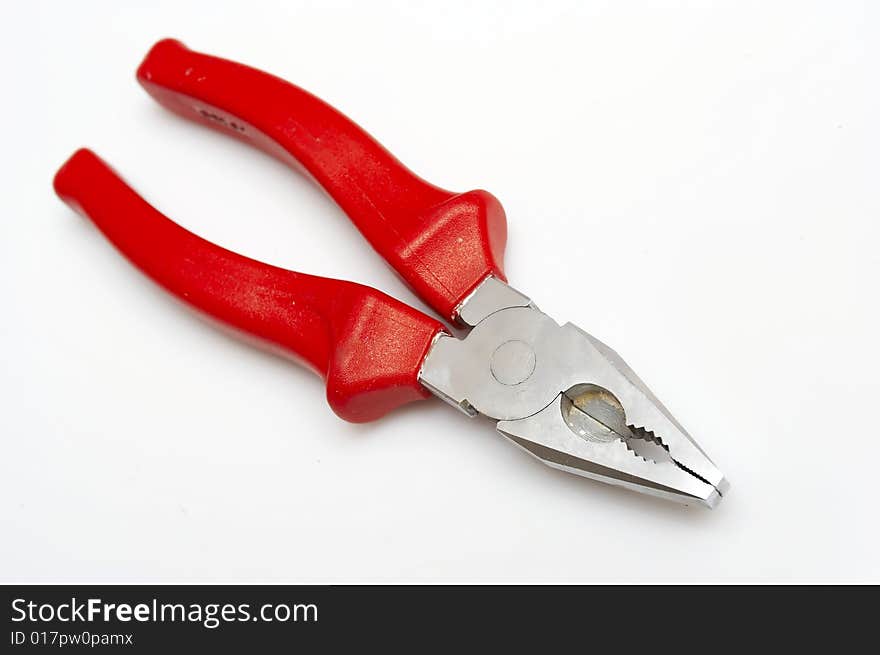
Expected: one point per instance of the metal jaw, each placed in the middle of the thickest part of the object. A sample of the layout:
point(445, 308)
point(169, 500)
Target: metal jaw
point(566, 398)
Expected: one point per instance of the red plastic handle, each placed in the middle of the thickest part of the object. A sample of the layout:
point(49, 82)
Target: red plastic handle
point(367, 345)
point(443, 244)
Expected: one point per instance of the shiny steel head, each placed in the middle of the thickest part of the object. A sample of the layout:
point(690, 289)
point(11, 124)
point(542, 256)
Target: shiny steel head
point(566, 398)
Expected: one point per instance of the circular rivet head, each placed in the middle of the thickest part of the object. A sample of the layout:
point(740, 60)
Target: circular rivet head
point(512, 362)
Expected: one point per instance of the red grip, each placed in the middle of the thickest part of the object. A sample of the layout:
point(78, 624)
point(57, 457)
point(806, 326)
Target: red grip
point(367, 345)
point(443, 244)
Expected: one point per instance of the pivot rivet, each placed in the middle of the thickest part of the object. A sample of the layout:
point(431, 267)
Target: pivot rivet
point(513, 362)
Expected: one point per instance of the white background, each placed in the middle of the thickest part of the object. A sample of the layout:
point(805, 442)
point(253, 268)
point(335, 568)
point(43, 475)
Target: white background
point(694, 183)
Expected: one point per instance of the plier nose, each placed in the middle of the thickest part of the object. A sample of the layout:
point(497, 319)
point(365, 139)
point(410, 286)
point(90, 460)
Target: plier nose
point(554, 390)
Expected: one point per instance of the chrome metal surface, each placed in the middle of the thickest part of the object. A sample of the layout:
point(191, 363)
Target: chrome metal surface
point(566, 398)
point(490, 295)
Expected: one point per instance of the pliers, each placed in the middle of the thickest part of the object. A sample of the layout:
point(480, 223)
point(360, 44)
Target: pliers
point(554, 390)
